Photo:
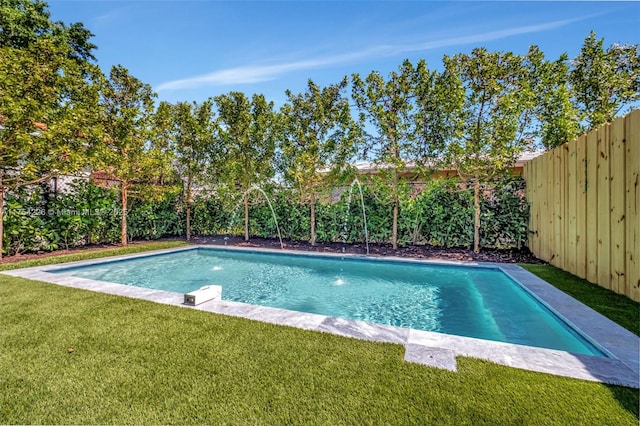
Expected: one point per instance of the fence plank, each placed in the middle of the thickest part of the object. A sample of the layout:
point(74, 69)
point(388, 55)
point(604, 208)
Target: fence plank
point(617, 197)
point(562, 216)
point(556, 215)
point(530, 172)
point(571, 211)
point(545, 217)
point(592, 207)
point(541, 201)
point(581, 207)
point(632, 198)
point(604, 209)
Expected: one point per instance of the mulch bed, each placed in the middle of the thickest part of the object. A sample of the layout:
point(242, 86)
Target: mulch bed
point(420, 252)
point(28, 256)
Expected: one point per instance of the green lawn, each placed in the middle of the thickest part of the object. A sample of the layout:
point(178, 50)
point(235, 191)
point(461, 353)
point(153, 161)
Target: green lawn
point(135, 361)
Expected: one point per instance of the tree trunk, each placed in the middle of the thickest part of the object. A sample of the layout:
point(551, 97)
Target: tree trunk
point(188, 222)
point(313, 220)
point(92, 222)
point(123, 223)
point(246, 216)
point(396, 203)
point(476, 205)
point(187, 202)
point(394, 232)
point(1, 217)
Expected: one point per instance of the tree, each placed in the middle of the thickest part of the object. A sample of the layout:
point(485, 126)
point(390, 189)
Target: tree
point(493, 122)
point(47, 96)
point(247, 131)
point(387, 105)
point(47, 114)
point(434, 104)
point(557, 117)
point(197, 154)
point(604, 81)
point(319, 136)
point(24, 22)
point(129, 155)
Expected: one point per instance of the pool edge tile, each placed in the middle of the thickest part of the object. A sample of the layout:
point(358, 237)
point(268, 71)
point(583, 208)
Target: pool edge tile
point(364, 330)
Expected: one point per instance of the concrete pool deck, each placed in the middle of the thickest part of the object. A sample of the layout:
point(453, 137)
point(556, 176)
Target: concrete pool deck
point(424, 347)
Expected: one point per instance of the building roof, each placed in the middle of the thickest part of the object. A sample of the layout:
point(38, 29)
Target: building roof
point(369, 167)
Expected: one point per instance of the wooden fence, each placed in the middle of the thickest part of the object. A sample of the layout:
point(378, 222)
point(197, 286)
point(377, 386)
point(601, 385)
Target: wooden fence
point(585, 206)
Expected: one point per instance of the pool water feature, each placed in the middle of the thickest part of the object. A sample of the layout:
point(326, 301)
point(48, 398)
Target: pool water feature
point(480, 302)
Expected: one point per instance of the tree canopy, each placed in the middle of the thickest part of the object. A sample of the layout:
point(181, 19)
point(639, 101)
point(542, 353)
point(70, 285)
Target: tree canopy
point(604, 81)
point(129, 154)
point(319, 136)
point(24, 22)
point(247, 131)
point(495, 116)
point(198, 154)
point(48, 114)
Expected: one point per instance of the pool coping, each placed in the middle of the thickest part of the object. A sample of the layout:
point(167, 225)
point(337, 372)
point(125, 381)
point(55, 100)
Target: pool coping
point(424, 347)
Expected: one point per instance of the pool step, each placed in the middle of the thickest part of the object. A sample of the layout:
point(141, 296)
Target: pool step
point(434, 357)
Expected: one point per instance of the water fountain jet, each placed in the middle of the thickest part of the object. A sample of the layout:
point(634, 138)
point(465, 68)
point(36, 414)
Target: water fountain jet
point(364, 214)
point(275, 219)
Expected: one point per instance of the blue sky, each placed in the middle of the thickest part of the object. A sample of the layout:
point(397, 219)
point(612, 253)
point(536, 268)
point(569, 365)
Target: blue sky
point(190, 50)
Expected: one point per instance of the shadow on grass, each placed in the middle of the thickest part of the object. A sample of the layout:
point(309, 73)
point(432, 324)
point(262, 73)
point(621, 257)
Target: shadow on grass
point(629, 399)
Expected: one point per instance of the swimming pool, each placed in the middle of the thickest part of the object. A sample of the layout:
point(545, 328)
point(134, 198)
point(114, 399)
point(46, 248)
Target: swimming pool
point(480, 302)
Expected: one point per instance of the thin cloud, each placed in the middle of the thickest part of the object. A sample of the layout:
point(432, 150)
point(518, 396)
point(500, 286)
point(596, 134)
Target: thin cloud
point(112, 17)
point(490, 36)
point(257, 74)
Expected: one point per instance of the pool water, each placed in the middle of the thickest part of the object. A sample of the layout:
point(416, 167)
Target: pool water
point(467, 301)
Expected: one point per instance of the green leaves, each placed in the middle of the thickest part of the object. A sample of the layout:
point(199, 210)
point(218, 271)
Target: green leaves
point(441, 215)
point(25, 22)
point(319, 137)
point(247, 132)
point(132, 152)
point(48, 113)
point(387, 105)
point(48, 96)
point(493, 124)
point(604, 81)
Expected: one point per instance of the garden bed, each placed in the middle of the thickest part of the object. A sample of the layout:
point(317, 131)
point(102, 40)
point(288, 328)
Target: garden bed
point(522, 255)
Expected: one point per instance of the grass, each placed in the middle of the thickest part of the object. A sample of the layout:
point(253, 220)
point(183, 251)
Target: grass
point(135, 361)
point(616, 307)
point(94, 254)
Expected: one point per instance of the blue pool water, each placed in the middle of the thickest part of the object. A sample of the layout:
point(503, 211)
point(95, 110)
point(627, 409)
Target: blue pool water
point(466, 301)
